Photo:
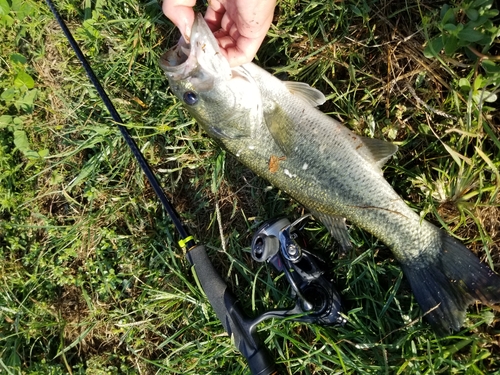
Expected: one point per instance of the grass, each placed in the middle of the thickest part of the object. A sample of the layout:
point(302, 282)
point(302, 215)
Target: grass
point(91, 278)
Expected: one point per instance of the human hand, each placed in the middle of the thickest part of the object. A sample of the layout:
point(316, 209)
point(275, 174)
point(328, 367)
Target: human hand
point(238, 25)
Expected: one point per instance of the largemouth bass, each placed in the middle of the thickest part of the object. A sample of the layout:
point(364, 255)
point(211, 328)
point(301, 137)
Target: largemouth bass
point(274, 128)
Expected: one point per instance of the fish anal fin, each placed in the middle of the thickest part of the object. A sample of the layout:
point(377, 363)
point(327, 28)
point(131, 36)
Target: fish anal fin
point(307, 93)
point(337, 228)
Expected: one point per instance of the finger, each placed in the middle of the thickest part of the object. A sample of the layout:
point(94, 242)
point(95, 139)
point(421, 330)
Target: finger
point(181, 13)
point(233, 31)
point(214, 14)
point(255, 28)
point(225, 42)
point(243, 51)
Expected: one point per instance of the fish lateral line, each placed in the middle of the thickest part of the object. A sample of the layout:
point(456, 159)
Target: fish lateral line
point(380, 208)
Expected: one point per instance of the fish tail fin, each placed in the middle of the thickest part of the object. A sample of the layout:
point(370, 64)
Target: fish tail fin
point(447, 285)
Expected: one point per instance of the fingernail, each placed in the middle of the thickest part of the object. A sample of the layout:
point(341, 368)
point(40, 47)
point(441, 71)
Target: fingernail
point(187, 34)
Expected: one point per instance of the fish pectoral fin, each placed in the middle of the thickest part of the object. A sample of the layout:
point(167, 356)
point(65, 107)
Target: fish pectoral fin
point(375, 151)
point(276, 121)
point(337, 227)
point(305, 92)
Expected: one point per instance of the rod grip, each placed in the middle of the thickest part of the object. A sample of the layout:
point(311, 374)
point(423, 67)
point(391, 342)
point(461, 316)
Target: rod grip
point(232, 318)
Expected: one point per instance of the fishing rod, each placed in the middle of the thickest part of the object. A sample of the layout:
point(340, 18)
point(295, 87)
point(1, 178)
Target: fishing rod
point(317, 301)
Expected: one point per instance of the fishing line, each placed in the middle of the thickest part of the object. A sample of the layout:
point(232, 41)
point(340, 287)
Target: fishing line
point(186, 240)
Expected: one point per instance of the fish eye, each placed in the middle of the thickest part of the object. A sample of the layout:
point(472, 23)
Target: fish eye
point(190, 98)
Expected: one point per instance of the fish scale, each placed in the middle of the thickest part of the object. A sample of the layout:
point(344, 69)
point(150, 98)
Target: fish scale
point(275, 129)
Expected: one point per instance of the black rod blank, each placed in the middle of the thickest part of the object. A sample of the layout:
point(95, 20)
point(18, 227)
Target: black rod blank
point(186, 240)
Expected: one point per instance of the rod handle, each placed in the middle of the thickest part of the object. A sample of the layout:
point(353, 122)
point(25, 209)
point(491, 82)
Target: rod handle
point(232, 318)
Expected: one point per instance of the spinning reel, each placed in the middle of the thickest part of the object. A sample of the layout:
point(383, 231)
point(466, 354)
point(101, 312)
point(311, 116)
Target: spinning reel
point(317, 301)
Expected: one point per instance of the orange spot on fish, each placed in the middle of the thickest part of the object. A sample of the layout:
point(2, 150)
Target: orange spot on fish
point(274, 163)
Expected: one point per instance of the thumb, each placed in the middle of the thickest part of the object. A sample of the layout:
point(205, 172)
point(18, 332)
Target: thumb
point(181, 14)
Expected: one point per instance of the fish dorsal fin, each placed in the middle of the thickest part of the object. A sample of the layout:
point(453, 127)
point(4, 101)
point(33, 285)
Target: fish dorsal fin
point(374, 150)
point(337, 228)
point(305, 92)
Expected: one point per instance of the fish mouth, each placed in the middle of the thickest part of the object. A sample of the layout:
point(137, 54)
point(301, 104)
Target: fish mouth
point(201, 53)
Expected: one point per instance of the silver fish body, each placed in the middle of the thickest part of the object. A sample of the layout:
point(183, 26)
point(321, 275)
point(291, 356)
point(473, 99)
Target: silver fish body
point(274, 129)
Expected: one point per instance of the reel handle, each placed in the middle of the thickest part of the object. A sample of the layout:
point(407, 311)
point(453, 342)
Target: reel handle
point(237, 325)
